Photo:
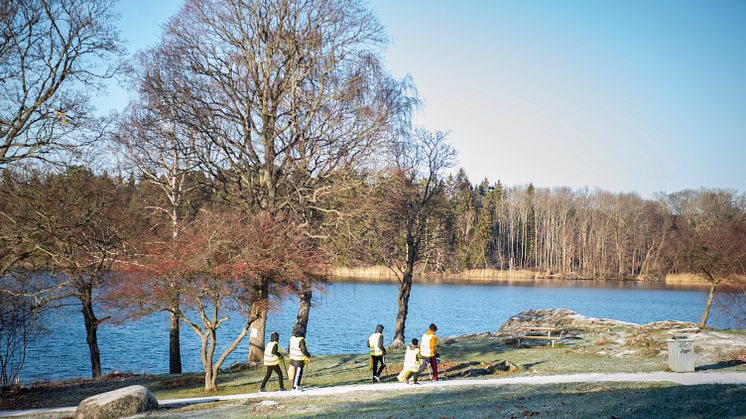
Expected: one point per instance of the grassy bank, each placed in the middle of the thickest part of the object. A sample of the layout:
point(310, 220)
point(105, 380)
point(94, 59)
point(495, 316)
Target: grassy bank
point(614, 350)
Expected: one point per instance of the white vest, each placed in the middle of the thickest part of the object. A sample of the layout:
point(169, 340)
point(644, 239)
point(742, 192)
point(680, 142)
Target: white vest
point(269, 358)
point(410, 359)
point(425, 345)
point(373, 344)
point(295, 352)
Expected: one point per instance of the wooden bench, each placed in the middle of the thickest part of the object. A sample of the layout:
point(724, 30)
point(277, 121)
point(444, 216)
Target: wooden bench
point(524, 333)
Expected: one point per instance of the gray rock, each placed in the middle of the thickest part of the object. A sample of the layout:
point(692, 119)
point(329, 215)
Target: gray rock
point(119, 403)
point(506, 366)
point(566, 320)
point(269, 403)
point(476, 369)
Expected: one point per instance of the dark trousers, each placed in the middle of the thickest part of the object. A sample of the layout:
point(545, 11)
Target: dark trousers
point(433, 361)
point(270, 370)
point(378, 365)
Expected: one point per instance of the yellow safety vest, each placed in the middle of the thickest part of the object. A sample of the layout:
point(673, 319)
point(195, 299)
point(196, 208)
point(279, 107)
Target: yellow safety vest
point(411, 361)
point(295, 352)
point(373, 344)
point(269, 357)
point(425, 345)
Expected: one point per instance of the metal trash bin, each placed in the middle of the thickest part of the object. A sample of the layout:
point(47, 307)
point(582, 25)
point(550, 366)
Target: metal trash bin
point(681, 354)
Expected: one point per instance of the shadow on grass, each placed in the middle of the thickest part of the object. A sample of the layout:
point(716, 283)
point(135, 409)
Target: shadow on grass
point(577, 401)
point(721, 365)
point(344, 361)
point(531, 365)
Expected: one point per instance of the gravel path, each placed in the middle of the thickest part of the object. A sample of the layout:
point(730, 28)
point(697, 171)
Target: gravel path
point(693, 378)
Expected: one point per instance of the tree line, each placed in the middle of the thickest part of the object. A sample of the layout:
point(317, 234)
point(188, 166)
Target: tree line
point(265, 143)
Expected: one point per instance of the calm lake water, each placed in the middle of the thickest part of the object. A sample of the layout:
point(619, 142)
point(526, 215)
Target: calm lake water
point(346, 313)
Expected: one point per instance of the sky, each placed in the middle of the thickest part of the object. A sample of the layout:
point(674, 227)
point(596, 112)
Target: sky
point(632, 96)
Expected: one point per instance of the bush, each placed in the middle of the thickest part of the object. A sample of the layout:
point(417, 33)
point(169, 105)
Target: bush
point(645, 345)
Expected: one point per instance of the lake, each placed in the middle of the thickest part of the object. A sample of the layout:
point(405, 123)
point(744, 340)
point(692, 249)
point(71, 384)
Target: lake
point(345, 314)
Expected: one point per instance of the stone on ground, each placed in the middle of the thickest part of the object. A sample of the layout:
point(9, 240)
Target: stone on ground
point(477, 369)
point(119, 403)
point(506, 366)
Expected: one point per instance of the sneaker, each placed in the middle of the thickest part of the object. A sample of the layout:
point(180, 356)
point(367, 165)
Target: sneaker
point(262, 390)
point(282, 388)
point(299, 388)
point(376, 379)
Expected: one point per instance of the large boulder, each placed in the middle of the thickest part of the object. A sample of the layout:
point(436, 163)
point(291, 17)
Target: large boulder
point(120, 403)
point(566, 320)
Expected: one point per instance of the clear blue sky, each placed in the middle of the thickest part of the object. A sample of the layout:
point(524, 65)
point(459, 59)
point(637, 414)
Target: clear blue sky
point(627, 95)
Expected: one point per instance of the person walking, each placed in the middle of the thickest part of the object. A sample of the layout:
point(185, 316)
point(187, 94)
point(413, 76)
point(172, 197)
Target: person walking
point(299, 357)
point(428, 352)
point(412, 363)
point(272, 357)
point(377, 353)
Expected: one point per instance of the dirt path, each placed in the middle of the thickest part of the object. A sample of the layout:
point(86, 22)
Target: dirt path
point(694, 378)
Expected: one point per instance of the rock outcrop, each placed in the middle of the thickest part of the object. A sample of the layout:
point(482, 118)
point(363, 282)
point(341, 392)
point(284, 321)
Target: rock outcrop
point(119, 403)
point(477, 369)
point(560, 318)
point(568, 320)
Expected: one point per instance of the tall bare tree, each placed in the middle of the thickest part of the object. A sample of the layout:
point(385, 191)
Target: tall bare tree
point(279, 95)
point(404, 213)
point(163, 155)
point(53, 54)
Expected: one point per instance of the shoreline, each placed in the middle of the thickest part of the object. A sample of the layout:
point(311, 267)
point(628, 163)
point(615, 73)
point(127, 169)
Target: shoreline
point(594, 345)
point(380, 274)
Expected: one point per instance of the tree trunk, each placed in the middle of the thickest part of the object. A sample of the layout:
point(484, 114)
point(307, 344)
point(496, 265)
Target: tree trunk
point(174, 345)
point(405, 289)
point(91, 327)
point(259, 312)
point(210, 374)
point(210, 384)
point(706, 315)
point(304, 307)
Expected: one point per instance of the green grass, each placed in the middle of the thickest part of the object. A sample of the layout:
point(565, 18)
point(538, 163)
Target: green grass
point(576, 357)
point(592, 400)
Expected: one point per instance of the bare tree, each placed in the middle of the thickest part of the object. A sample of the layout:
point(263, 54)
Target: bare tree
point(81, 224)
point(53, 53)
point(708, 236)
point(279, 96)
point(732, 299)
point(217, 260)
point(20, 324)
point(163, 156)
point(403, 214)
point(19, 234)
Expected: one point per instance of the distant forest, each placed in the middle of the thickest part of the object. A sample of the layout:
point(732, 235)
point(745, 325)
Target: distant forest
point(585, 233)
point(563, 232)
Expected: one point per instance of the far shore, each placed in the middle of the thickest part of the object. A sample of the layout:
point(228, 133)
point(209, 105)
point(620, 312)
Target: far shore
point(384, 274)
